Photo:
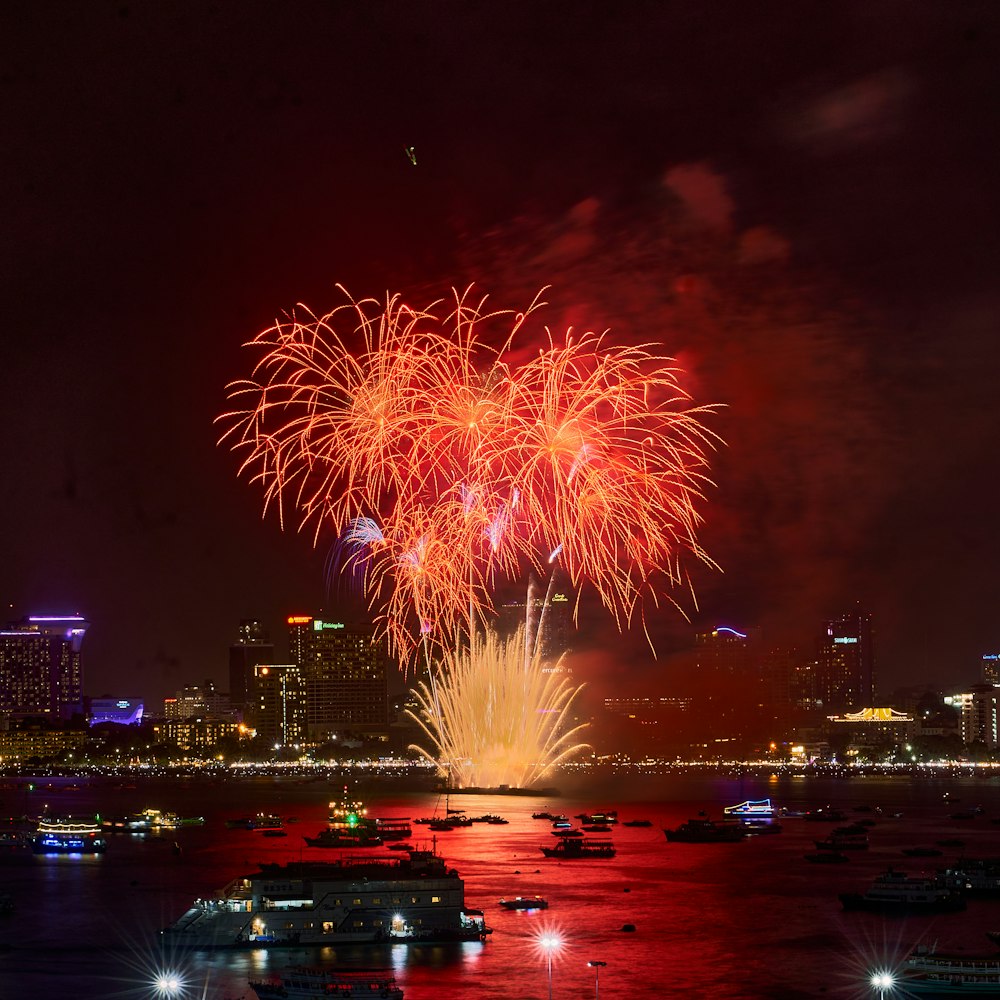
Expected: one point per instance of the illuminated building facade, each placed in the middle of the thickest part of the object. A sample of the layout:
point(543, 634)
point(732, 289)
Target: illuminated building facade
point(344, 671)
point(991, 669)
point(549, 617)
point(40, 669)
point(196, 733)
point(279, 712)
point(19, 745)
point(122, 711)
point(845, 663)
point(253, 648)
point(977, 714)
point(197, 701)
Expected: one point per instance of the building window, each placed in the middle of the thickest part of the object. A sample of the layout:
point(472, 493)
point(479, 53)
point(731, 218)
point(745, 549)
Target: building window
point(435, 899)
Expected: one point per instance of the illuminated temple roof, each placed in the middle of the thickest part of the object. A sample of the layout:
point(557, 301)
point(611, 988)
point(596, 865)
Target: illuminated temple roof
point(872, 715)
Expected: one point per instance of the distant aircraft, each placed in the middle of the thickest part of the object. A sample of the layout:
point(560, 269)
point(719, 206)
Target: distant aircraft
point(411, 154)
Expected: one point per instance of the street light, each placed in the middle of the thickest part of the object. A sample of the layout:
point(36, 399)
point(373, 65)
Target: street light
point(597, 966)
point(882, 981)
point(549, 943)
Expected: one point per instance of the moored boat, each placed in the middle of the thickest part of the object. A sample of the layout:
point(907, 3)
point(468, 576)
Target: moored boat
point(525, 903)
point(752, 807)
point(930, 972)
point(897, 892)
point(302, 983)
point(68, 836)
point(352, 901)
point(586, 847)
point(707, 831)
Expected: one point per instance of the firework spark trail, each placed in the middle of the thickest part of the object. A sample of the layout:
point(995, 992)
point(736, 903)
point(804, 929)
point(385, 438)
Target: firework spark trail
point(471, 469)
point(497, 718)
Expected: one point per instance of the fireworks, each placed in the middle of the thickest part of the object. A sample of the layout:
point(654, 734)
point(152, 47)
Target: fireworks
point(443, 466)
point(495, 716)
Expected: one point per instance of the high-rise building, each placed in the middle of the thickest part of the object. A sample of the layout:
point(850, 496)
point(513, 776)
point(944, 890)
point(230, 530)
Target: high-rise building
point(253, 648)
point(845, 674)
point(978, 712)
point(991, 669)
point(344, 669)
point(40, 669)
point(279, 712)
point(548, 619)
point(197, 701)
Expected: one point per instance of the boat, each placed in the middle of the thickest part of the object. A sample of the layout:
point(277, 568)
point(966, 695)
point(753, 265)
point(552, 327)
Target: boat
point(16, 836)
point(827, 858)
point(825, 814)
point(68, 836)
point(155, 819)
point(974, 876)
point(566, 833)
point(845, 838)
point(609, 817)
point(354, 900)
point(638, 822)
point(343, 838)
point(596, 828)
point(757, 808)
point(542, 815)
point(929, 972)
point(586, 847)
point(760, 826)
point(897, 892)
point(262, 821)
point(525, 903)
point(707, 831)
point(301, 983)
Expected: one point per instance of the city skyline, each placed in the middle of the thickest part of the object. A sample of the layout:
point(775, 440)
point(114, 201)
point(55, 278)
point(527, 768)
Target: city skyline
point(809, 230)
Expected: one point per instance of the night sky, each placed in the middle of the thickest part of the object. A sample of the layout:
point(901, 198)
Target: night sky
point(799, 199)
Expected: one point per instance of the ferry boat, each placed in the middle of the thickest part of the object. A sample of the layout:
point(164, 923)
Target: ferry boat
point(930, 972)
point(307, 984)
point(351, 901)
point(974, 876)
point(349, 817)
point(588, 847)
point(758, 808)
point(525, 903)
point(897, 892)
point(344, 838)
point(68, 836)
point(157, 819)
point(707, 831)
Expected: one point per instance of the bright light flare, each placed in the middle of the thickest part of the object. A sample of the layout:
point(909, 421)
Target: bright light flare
point(168, 984)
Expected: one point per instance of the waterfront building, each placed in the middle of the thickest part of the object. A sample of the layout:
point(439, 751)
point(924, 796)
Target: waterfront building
point(977, 710)
point(197, 701)
point(343, 667)
point(872, 727)
point(195, 733)
point(41, 674)
point(122, 711)
point(845, 663)
point(253, 648)
point(279, 712)
point(25, 742)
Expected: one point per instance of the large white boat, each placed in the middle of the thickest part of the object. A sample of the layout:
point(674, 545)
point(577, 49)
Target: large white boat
point(933, 973)
point(307, 984)
point(353, 900)
point(897, 892)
